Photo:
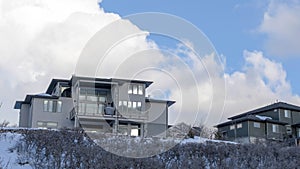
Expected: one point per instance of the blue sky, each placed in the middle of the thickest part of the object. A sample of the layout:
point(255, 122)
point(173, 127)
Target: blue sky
point(232, 26)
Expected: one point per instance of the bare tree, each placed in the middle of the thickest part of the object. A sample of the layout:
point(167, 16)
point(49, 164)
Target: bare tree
point(4, 123)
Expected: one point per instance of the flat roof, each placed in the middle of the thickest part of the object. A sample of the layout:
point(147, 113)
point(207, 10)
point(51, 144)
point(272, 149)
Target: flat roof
point(74, 79)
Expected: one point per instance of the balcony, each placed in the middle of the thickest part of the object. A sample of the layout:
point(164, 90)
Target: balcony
point(110, 114)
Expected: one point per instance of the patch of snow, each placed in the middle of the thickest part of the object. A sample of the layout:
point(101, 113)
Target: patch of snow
point(204, 140)
point(44, 94)
point(8, 158)
point(263, 117)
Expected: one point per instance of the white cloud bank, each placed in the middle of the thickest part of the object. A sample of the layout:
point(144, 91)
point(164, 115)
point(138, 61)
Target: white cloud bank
point(261, 82)
point(41, 40)
point(281, 24)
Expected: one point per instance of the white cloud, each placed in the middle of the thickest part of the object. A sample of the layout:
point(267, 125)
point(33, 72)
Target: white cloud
point(40, 40)
point(261, 82)
point(281, 24)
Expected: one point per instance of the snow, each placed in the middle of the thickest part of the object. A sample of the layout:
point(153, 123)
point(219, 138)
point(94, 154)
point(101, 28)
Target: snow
point(263, 117)
point(8, 159)
point(203, 140)
point(44, 94)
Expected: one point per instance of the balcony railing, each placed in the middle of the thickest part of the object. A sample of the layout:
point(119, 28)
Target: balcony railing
point(112, 113)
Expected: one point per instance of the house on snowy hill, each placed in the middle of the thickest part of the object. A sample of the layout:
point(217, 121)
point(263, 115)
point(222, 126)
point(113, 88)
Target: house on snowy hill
point(118, 106)
point(279, 121)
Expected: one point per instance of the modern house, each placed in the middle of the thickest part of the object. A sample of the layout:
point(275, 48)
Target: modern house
point(279, 121)
point(117, 106)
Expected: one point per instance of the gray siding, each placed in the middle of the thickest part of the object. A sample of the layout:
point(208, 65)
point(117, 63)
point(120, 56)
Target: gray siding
point(242, 132)
point(61, 118)
point(24, 115)
point(257, 132)
point(274, 135)
point(156, 130)
point(284, 119)
point(295, 117)
point(157, 112)
point(274, 114)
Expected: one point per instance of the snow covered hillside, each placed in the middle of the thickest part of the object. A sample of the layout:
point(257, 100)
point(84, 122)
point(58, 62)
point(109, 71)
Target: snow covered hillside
point(21, 148)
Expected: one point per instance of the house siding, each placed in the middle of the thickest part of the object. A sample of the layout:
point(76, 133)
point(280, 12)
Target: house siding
point(257, 132)
point(274, 114)
point(295, 117)
point(62, 118)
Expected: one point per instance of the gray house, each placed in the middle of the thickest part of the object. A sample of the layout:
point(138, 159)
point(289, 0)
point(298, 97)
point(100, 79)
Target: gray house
point(116, 106)
point(279, 121)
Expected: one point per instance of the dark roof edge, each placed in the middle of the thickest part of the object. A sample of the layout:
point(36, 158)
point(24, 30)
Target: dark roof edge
point(169, 102)
point(267, 108)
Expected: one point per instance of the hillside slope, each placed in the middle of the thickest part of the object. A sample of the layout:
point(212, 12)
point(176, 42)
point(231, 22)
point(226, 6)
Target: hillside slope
point(73, 149)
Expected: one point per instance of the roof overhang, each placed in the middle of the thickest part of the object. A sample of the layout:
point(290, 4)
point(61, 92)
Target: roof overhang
point(168, 102)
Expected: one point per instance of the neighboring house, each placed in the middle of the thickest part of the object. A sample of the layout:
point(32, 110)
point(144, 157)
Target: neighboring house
point(116, 106)
point(279, 121)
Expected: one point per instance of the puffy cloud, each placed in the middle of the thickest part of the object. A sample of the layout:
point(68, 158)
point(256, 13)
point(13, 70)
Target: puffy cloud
point(281, 24)
point(261, 82)
point(41, 40)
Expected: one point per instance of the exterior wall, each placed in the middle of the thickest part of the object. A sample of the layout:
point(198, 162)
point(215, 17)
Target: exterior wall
point(295, 117)
point(62, 118)
point(157, 121)
point(24, 115)
point(257, 132)
point(242, 132)
point(124, 96)
point(274, 114)
point(272, 135)
point(284, 119)
point(227, 133)
point(154, 129)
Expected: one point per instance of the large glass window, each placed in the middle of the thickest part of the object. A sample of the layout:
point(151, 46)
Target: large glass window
point(91, 108)
point(101, 108)
point(240, 125)
point(232, 127)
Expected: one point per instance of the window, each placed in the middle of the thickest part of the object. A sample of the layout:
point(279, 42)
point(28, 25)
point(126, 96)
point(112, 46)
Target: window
point(232, 127)
point(91, 108)
point(141, 90)
point(139, 106)
point(256, 124)
point(100, 108)
point(45, 125)
point(240, 125)
point(134, 105)
point(52, 106)
point(275, 128)
point(45, 105)
point(287, 113)
point(136, 89)
point(130, 89)
point(81, 108)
